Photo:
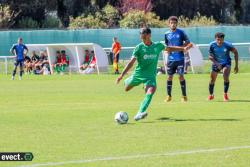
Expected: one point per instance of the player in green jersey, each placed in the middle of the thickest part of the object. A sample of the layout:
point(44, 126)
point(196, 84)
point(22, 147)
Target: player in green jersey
point(146, 54)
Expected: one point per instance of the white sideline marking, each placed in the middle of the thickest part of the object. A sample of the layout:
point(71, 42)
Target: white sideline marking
point(175, 153)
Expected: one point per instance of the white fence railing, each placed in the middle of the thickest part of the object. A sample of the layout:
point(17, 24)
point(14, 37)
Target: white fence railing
point(5, 61)
point(243, 48)
point(244, 52)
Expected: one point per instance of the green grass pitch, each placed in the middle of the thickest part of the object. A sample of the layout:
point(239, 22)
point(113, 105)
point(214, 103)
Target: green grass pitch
point(68, 121)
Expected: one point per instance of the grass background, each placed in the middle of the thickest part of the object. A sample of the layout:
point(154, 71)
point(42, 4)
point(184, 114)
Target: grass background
point(71, 117)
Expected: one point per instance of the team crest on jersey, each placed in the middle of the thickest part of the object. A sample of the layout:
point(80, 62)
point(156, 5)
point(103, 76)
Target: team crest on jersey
point(225, 50)
point(177, 36)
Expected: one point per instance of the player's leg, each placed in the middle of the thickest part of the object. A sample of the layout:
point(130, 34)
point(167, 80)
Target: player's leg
point(213, 76)
point(180, 72)
point(150, 88)
point(63, 67)
point(226, 73)
point(117, 64)
point(57, 68)
point(29, 67)
point(187, 64)
point(21, 66)
point(183, 88)
point(149, 92)
point(171, 69)
point(14, 70)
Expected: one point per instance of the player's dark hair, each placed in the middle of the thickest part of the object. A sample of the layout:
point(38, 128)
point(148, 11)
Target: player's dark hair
point(174, 18)
point(63, 51)
point(58, 51)
point(145, 30)
point(219, 35)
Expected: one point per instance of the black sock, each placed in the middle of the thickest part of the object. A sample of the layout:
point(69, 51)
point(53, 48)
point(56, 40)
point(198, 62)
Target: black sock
point(169, 87)
point(211, 89)
point(21, 73)
point(14, 73)
point(183, 88)
point(226, 86)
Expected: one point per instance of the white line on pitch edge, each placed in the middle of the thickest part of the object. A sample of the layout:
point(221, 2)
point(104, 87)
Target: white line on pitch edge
point(174, 153)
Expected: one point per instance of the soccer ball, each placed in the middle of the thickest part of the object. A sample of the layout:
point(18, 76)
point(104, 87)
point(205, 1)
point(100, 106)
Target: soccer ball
point(121, 117)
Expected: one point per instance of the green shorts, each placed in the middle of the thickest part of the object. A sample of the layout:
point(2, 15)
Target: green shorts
point(135, 81)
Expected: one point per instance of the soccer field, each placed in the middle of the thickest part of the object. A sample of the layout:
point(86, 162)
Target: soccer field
point(68, 121)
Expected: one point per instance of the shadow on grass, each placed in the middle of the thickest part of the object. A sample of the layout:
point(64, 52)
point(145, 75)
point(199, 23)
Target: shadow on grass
point(243, 101)
point(183, 120)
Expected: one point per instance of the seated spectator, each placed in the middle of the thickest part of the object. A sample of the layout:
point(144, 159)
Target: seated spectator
point(92, 65)
point(44, 62)
point(41, 70)
point(58, 63)
point(86, 61)
point(46, 70)
point(27, 64)
point(43, 59)
point(34, 59)
point(37, 70)
point(65, 61)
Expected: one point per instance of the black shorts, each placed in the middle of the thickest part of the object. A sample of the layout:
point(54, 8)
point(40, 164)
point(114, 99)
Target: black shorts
point(175, 67)
point(215, 67)
point(19, 62)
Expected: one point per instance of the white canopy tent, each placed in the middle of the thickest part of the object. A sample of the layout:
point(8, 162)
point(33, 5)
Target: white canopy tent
point(75, 51)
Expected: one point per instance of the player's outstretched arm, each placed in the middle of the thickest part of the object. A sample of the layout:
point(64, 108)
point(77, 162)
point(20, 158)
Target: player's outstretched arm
point(174, 48)
point(178, 48)
point(236, 58)
point(126, 69)
point(188, 45)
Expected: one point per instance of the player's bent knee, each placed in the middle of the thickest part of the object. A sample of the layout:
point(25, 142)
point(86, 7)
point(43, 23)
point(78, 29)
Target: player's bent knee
point(150, 90)
point(170, 78)
point(128, 87)
point(181, 78)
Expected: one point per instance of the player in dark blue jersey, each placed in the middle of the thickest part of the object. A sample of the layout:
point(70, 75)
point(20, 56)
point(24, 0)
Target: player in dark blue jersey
point(19, 50)
point(219, 54)
point(175, 61)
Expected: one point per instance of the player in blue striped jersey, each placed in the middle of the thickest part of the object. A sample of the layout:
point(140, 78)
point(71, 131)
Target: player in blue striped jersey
point(175, 63)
